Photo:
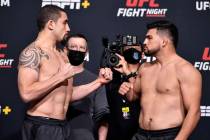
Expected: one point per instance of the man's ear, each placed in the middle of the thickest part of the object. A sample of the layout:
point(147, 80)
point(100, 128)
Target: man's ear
point(164, 41)
point(50, 24)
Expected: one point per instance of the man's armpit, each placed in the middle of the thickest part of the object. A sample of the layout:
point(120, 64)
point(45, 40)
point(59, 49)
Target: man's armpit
point(30, 57)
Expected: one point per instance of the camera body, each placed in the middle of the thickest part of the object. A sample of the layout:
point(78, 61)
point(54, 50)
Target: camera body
point(109, 57)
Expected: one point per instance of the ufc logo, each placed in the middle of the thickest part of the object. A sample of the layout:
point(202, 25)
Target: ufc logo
point(206, 55)
point(202, 5)
point(140, 3)
point(2, 46)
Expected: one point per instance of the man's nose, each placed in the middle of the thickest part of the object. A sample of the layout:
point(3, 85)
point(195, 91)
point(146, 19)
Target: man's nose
point(144, 43)
point(77, 48)
point(68, 28)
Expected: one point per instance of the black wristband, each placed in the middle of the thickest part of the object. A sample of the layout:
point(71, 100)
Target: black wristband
point(132, 74)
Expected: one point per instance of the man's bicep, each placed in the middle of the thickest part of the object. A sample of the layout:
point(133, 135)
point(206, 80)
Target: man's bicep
point(136, 87)
point(191, 86)
point(26, 77)
point(28, 67)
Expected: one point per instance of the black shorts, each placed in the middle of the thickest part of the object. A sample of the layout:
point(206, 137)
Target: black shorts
point(42, 128)
point(165, 134)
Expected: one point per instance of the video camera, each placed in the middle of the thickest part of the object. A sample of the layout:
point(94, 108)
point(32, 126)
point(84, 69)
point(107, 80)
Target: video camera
point(109, 57)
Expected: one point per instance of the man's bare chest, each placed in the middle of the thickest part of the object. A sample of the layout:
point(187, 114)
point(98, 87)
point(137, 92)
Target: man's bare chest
point(159, 81)
point(49, 67)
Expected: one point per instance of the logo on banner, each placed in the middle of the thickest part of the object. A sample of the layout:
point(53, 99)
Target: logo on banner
point(5, 3)
point(4, 62)
point(204, 65)
point(70, 4)
point(137, 8)
point(202, 5)
point(205, 111)
point(5, 110)
point(148, 59)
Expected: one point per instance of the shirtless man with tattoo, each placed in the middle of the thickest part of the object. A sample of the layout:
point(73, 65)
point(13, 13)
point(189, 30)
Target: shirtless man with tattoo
point(169, 88)
point(45, 79)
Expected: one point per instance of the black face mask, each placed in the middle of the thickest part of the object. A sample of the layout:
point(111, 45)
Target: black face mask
point(132, 56)
point(76, 57)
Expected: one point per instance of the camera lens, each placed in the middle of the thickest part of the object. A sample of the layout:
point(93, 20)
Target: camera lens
point(113, 60)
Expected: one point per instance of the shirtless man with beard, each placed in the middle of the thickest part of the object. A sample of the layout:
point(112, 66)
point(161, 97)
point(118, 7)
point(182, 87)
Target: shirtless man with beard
point(169, 88)
point(45, 79)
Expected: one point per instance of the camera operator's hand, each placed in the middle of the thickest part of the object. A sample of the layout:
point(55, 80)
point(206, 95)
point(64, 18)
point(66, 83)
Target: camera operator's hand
point(105, 75)
point(122, 67)
point(125, 87)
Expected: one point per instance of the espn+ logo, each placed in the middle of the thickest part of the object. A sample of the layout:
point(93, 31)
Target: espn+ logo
point(71, 4)
point(6, 110)
point(5, 3)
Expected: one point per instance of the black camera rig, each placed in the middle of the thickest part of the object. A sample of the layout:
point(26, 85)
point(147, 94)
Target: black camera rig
point(109, 57)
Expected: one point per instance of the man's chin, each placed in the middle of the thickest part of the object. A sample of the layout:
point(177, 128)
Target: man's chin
point(64, 40)
point(148, 54)
point(65, 36)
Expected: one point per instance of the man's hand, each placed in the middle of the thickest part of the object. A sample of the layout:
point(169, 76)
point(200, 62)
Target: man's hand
point(68, 71)
point(122, 67)
point(125, 87)
point(105, 75)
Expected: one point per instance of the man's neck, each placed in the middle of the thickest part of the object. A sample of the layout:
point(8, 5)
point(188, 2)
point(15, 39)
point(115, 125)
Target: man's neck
point(166, 55)
point(46, 40)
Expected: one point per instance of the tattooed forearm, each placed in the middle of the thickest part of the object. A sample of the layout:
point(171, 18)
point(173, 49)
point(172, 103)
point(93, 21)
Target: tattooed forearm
point(31, 57)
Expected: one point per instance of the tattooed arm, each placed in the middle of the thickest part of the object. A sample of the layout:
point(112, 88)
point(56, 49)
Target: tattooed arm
point(30, 87)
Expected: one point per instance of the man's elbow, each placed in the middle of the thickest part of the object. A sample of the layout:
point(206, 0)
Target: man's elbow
point(198, 114)
point(25, 96)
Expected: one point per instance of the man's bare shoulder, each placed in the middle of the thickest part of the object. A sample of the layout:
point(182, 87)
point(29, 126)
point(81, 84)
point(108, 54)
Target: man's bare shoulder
point(147, 65)
point(186, 69)
point(31, 56)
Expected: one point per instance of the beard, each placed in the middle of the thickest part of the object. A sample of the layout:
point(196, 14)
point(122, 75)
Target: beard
point(149, 53)
point(64, 40)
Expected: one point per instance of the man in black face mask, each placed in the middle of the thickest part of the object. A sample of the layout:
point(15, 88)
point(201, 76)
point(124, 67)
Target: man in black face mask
point(123, 122)
point(86, 117)
point(132, 54)
point(77, 50)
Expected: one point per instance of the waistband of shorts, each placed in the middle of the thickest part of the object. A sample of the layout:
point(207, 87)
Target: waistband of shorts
point(161, 132)
point(45, 120)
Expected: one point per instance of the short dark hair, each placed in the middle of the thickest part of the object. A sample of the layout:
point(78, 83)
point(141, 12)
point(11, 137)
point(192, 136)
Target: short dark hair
point(48, 12)
point(166, 26)
point(77, 35)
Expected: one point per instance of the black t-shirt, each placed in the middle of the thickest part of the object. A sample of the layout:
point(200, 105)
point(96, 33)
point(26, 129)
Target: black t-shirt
point(124, 115)
point(85, 113)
